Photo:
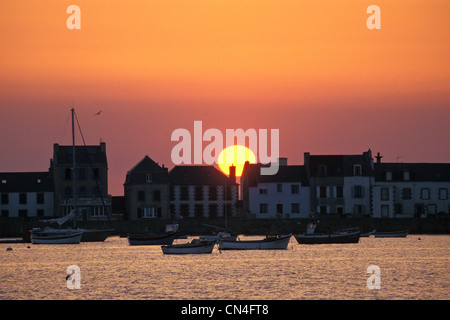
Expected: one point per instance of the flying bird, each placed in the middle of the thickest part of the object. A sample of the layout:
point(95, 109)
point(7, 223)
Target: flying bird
point(98, 113)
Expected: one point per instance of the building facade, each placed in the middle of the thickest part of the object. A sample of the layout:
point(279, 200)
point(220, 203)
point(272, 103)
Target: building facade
point(283, 195)
point(26, 194)
point(146, 191)
point(81, 182)
point(202, 192)
point(340, 184)
point(407, 190)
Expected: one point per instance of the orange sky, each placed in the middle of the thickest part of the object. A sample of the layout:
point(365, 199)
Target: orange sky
point(309, 68)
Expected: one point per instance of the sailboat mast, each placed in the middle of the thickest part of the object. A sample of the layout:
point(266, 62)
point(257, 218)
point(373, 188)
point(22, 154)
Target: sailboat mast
point(73, 160)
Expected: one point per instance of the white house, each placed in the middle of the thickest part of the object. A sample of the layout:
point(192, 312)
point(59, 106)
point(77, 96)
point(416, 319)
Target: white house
point(283, 195)
point(406, 190)
point(26, 194)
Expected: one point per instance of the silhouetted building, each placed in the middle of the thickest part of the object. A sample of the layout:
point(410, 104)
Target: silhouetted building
point(146, 191)
point(340, 184)
point(26, 194)
point(85, 185)
point(202, 191)
point(406, 190)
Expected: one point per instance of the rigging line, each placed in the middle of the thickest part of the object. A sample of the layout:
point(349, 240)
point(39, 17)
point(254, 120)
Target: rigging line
point(90, 164)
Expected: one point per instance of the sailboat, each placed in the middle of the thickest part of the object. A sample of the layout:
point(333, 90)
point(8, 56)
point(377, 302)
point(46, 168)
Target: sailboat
point(69, 235)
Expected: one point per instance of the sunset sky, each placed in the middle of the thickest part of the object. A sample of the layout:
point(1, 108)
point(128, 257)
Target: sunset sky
point(310, 68)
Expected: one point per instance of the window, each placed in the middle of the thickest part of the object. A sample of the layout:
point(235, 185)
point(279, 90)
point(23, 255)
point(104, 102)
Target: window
point(184, 193)
point(157, 195)
point(212, 193)
point(22, 198)
point(358, 209)
point(323, 209)
point(357, 170)
point(184, 210)
point(279, 187)
point(398, 208)
point(148, 177)
point(385, 211)
point(68, 174)
point(213, 210)
point(5, 198)
point(96, 173)
point(40, 198)
point(141, 195)
point(406, 175)
point(406, 193)
point(263, 208)
point(98, 211)
point(425, 194)
point(5, 213)
point(388, 175)
point(295, 188)
point(198, 195)
point(4, 181)
point(339, 192)
point(384, 194)
point(443, 194)
point(150, 212)
point(81, 174)
point(322, 170)
point(358, 191)
point(431, 209)
point(198, 210)
point(263, 190)
point(40, 213)
point(322, 192)
point(172, 193)
point(295, 207)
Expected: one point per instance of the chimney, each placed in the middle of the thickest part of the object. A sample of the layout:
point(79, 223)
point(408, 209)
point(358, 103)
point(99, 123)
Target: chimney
point(232, 175)
point(378, 157)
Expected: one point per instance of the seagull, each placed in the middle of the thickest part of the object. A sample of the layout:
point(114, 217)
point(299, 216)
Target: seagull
point(98, 113)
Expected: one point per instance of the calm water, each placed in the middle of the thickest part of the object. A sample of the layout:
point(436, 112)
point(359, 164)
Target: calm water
point(409, 268)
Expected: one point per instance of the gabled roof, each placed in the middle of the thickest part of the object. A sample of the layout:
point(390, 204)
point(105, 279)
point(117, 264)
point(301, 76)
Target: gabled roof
point(138, 174)
point(436, 172)
point(339, 165)
point(26, 182)
point(84, 155)
point(286, 173)
point(198, 176)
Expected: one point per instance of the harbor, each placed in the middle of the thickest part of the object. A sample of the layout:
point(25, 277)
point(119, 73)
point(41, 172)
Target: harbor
point(113, 269)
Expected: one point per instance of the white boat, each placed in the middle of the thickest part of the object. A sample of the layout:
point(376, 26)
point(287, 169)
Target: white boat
point(196, 246)
point(218, 237)
point(393, 234)
point(56, 236)
point(268, 243)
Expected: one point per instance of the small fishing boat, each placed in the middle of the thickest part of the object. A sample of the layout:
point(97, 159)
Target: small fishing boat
point(350, 235)
point(218, 237)
point(56, 236)
point(196, 246)
point(392, 234)
point(279, 242)
point(162, 238)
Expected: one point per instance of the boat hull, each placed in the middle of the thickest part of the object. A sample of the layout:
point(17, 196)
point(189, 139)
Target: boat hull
point(56, 238)
point(152, 239)
point(202, 248)
point(395, 234)
point(328, 238)
point(276, 243)
point(95, 235)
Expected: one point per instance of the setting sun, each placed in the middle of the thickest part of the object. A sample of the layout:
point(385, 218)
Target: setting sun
point(235, 155)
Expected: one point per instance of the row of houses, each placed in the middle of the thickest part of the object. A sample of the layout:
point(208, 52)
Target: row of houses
point(341, 185)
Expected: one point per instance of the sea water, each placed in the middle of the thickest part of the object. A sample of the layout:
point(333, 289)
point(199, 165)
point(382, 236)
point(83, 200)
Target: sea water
point(413, 268)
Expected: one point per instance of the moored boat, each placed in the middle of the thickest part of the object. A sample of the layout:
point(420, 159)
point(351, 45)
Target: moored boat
point(392, 234)
point(218, 237)
point(162, 238)
point(56, 236)
point(343, 237)
point(196, 246)
point(279, 242)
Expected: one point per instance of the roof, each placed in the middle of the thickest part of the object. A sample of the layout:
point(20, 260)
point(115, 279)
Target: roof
point(340, 165)
point(198, 176)
point(286, 173)
point(84, 155)
point(138, 174)
point(439, 172)
point(26, 182)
